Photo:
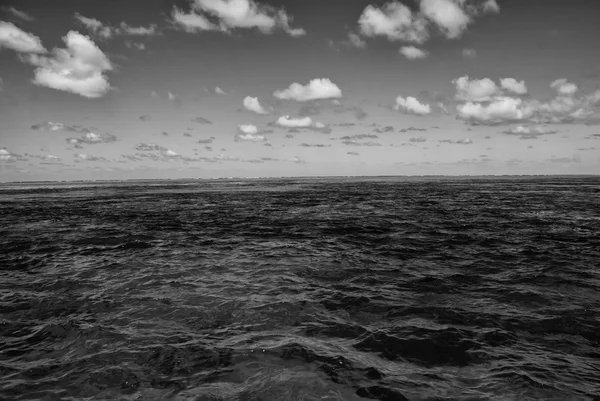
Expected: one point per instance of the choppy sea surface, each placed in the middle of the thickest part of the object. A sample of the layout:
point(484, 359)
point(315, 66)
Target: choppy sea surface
point(301, 289)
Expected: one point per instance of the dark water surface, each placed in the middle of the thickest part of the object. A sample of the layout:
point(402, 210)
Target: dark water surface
point(301, 290)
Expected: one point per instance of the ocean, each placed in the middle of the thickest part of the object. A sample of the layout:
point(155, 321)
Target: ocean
point(386, 288)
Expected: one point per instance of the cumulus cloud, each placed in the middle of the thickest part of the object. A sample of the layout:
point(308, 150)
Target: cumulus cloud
point(469, 53)
point(412, 105)
point(234, 14)
point(512, 85)
point(248, 128)
point(317, 88)
point(501, 109)
point(447, 15)
point(92, 138)
point(564, 87)
point(413, 53)
point(12, 37)
point(475, 90)
point(395, 21)
point(19, 14)
point(6, 156)
point(252, 104)
point(249, 133)
point(488, 105)
point(78, 69)
point(288, 122)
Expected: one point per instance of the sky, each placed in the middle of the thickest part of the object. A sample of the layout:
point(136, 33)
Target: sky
point(138, 89)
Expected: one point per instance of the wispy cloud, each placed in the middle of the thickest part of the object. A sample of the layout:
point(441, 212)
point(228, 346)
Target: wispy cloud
point(19, 14)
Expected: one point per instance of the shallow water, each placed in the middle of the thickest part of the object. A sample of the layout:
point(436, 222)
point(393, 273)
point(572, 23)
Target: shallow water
point(428, 289)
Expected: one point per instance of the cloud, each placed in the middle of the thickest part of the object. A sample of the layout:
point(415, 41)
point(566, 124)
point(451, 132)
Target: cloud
point(469, 53)
point(136, 45)
point(321, 88)
point(220, 91)
point(490, 109)
point(419, 139)
point(314, 145)
point(387, 128)
point(564, 87)
point(562, 160)
point(201, 120)
point(192, 22)
point(92, 138)
point(359, 136)
point(234, 14)
point(6, 156)
point(309, 109)
point(403, 130)
point(88, 158)
point(288, 122)
point(209, 140)
point(353, 153)
point(125, 29)
point(145, 118)
point(103, 31)
point(448, 16)
point(95, 26)
point(187, 134)
point(252, 104)
point(412, 105)
point(512, 85)
point(248, 133)
point(248, 129)
point(395, 21)
point(476, 90)
point(148, 147)
point(19, 14)
point(413, 53)
point(353, 142)
point(78, 69)
point(501, 109)
point(529, 132)
point(465, 141)
point(355, 40)
point(58, 127)
point(12, 37)
point(360, 114)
